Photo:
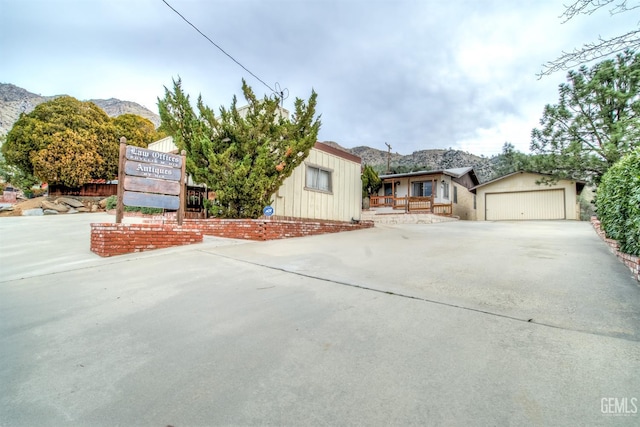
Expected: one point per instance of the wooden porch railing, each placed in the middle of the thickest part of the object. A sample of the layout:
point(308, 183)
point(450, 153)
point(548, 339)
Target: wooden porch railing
point(412, 204)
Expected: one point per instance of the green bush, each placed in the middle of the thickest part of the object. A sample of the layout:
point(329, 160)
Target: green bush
point(112, 201)
point(618, 203)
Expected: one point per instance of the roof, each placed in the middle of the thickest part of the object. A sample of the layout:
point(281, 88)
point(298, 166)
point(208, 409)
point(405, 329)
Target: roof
point(454, 172)
point(579, 183)
point(337, 152)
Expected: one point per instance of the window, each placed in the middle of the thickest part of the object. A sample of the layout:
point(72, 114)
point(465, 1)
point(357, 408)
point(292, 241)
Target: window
point(474, 201)
point(445, 190)
point(422, 189)
point(318, 179)
point(455, 194)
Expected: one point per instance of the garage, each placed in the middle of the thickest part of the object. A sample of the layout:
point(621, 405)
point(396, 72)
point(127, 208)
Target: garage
point(524, 205)
point(527, 196)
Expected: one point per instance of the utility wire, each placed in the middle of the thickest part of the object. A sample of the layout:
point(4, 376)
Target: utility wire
point(221, 49)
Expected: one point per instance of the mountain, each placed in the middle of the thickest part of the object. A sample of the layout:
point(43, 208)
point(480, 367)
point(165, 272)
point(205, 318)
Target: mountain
point(15, 100)
point(436, 159)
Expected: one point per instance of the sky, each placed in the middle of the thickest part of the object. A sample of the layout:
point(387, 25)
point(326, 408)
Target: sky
point(416, 74)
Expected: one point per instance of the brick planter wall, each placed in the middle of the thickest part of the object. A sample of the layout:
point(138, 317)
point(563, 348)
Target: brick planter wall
point(117, 239)
point(270, 229)
point(631, 261)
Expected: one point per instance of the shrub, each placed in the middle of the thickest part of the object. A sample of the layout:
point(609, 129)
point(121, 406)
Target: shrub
point(618, 203)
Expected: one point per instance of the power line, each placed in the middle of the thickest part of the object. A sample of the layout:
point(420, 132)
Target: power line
point(222, 50)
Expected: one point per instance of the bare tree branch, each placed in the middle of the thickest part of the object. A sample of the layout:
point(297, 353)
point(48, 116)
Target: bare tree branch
point(602, 48)
point(592, 51)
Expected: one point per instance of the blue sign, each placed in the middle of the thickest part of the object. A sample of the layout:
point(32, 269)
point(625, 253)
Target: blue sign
point(268, 211)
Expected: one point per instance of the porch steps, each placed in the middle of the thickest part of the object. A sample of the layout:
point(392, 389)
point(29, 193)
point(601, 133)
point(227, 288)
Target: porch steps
point(382, 216)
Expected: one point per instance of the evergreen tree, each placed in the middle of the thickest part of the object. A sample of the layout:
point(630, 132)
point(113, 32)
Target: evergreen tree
point(244, 154)
point(595, 122)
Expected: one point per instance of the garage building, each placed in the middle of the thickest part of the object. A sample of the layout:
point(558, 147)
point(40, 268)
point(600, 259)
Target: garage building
point(520, 196)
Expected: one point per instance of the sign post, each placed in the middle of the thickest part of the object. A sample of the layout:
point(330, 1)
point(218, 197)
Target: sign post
point(121, 158)
point(183, 189)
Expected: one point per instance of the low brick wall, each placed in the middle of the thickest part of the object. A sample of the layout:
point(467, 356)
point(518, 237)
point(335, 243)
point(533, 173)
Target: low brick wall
point(117, 239)
point(270, 229)
point(631, 261)
point(8, 197)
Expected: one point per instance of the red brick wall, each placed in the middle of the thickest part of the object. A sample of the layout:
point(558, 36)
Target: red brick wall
point(270, 229)
point(631, 261)
point(117, 239)
point(8, 197)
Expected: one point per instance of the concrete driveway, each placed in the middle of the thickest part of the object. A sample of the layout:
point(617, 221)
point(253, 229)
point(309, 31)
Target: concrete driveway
point(460, 323)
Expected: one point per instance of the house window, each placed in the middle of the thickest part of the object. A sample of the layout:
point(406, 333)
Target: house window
point(318, 179)
point(455, 194)
point(422, 189)
point(474, 201)
point(445, 190)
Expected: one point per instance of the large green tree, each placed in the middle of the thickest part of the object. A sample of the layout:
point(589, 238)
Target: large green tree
point(242, 154)
point(595, 122)
point(69, 142)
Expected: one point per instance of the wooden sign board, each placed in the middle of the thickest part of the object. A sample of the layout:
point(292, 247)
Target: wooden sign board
point(150, 170)
point(150, 185)
point(147, 200)
point(145, 155)
point(151, 179)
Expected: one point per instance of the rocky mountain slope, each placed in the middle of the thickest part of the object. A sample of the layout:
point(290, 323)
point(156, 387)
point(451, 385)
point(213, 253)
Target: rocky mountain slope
point(423, 160)
point(15, 100)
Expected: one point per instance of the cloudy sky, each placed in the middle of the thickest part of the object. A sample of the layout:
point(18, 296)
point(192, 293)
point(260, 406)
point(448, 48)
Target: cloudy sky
point(417, 74)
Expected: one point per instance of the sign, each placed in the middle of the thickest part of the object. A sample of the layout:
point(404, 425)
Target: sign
point(147, 200)
point(150, 185)
point(151, 170)
point(268, 211)
point(159, 158)
point(150, 179)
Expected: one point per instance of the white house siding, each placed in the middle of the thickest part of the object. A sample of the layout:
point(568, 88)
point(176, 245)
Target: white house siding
point(517, 197)
point(343, 203)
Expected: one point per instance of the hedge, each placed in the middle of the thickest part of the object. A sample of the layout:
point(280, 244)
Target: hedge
point(618, 203)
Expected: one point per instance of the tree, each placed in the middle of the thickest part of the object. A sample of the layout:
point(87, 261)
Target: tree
point(601, 48)
point(243, 155)
point(69, 142)
point(594, 123)
point(371, 182)
point(509, 161)
point(139, 131)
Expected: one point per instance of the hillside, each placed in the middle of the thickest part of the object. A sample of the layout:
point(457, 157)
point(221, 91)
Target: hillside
point(435, 159)
point(15, 100)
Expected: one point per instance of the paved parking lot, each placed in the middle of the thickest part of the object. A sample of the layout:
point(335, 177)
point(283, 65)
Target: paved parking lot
point(530, 323)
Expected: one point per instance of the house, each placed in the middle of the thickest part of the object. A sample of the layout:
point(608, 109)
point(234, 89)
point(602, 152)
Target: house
point(326, 186)
point(443, 192)
point(521, 196)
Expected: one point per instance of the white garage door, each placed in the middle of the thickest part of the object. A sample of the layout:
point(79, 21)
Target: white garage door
point(547, 204)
